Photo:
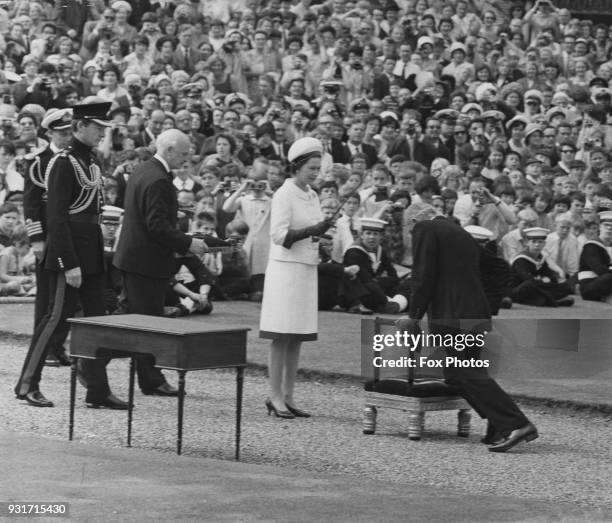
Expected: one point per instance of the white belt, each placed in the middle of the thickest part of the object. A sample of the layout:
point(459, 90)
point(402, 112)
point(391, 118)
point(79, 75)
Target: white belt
point(585, 275)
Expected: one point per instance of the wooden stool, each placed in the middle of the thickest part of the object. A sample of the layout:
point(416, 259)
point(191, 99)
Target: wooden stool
point(416, 408)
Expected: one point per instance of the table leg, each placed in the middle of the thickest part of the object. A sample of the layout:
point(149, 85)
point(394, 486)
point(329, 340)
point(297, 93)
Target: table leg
point(73, 379)
point(181, 402)
point(131, 401)
point(239, 383)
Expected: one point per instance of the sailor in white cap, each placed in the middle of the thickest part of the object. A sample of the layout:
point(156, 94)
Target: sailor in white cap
point(377, 285)
point(536, 280)
point(290, 295)
point(595, 266)
point(494, 270)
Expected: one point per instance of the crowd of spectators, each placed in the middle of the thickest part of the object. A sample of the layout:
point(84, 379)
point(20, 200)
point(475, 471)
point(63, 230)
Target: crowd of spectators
point(496, 112)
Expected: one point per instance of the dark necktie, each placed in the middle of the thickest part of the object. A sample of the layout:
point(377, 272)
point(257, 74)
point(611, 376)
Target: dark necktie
point(187, 61)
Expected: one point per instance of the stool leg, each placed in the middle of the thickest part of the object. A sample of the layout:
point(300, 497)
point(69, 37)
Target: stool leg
point(369, 419)
point(463, 425)
point(416, 422)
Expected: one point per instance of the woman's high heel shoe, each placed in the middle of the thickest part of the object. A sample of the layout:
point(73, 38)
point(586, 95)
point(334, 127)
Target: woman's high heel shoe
point(278, 413)
point(297, 412)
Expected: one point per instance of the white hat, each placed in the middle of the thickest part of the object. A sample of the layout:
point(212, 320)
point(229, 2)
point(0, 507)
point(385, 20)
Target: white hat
point(57, 119)
point(304, 147)
point(496, 115)
point(457, 46)
point(392, 114)
point(532, 128)
point(519, 118)
point(533, 93)
point(111, 213)
point(536, 233)
point(605, 216)
point(424, 40)
point(121, 4)
point(553, 111)
point(471, 107)
point(372, 224)
point(483, 88)
point(479, 233)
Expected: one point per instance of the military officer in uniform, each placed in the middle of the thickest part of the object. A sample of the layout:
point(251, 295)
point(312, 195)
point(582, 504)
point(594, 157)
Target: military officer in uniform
point(595, 270)
point(57, 123)
point(536, 281)
point(74, 255)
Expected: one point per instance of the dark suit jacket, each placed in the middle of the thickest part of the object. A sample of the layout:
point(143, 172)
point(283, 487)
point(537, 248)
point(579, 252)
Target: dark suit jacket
point(368, 150)
point(445, 280)
point(426, 152)
point(149, 235)
point(178, 59)
point(339, 152)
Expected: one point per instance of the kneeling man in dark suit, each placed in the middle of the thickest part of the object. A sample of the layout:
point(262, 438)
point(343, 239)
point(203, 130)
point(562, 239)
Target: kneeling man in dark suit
point(446, 285)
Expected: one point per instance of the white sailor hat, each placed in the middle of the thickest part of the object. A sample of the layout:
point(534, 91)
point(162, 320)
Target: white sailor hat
point(57, 119)
point(304, 147)
point(110, 213)
point(536, 233)
point(372, 224)
point(479, 233)
point(605, 216)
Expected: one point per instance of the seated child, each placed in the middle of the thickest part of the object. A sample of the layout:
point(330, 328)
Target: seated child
point(12, 278)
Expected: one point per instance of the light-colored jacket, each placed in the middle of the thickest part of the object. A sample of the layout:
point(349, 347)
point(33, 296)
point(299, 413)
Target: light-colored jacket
point(293, 208)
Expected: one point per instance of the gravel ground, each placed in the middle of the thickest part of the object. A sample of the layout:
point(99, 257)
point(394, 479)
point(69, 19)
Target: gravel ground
point(571, 462)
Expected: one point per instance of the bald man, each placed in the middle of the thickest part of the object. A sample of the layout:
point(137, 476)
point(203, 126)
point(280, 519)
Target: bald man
point(149, 238)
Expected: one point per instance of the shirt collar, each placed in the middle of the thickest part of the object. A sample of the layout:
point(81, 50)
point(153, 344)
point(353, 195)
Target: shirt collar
point(162, 161)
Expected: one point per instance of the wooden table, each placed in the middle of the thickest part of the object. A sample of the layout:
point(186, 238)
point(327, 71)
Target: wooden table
point(176, 345)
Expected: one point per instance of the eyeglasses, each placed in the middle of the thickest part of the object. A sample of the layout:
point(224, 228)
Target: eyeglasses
point(567, 151)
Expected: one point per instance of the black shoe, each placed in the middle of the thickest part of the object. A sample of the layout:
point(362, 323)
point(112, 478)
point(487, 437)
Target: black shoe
point(526, 433)
point(163, 390)
point(491, 435)
point(110, 402)
point(36, 399)
point(278, 413)
point(297, 412)
point(568, 301)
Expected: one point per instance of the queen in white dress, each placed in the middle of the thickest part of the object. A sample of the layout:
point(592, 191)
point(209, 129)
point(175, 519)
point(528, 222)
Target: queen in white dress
point(290, 296)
